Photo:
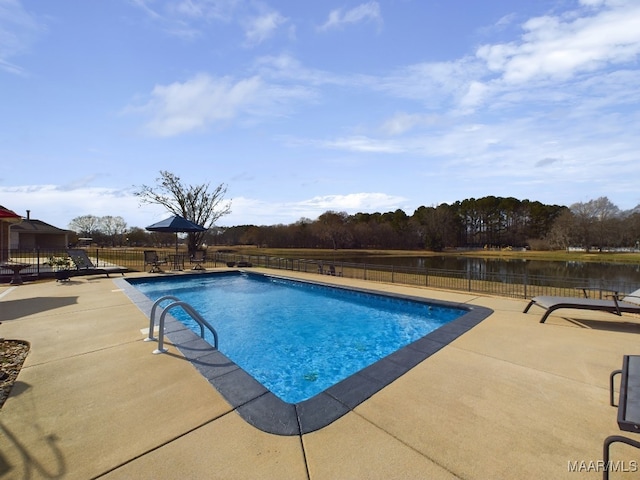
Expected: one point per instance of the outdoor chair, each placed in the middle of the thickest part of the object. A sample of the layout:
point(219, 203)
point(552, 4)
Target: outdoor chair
point(198, 258)
point(332, 271)
point(84, 265)
point(618, 304)
point(151, 258)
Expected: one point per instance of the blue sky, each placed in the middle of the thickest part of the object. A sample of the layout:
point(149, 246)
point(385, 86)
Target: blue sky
point(306, 106)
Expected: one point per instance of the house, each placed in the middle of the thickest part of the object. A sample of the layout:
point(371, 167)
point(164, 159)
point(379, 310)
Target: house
point(7, 218)
point(31, 234)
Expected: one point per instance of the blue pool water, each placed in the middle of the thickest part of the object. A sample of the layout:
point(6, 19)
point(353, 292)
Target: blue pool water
point(296, 338)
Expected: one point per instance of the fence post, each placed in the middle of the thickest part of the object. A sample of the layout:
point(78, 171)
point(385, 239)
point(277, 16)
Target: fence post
point(526, 282)
point(392, 273)
point(601, 287)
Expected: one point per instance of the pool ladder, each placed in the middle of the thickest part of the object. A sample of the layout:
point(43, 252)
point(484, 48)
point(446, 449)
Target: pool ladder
point(188, 309)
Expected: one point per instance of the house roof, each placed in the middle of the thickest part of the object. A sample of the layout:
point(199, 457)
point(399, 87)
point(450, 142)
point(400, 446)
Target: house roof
point(36, 227)
point(6, 214)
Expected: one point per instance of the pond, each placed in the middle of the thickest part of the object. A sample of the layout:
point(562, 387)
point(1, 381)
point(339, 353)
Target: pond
point(590, 272)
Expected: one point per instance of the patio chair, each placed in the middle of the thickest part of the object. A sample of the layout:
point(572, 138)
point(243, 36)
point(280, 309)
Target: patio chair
point(618, 304)
point(151, 258)
point(84, 265)
point(198, 258)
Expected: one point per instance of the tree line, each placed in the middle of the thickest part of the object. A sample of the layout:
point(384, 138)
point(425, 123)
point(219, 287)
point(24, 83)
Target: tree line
point(113, 231)
point(472, 223)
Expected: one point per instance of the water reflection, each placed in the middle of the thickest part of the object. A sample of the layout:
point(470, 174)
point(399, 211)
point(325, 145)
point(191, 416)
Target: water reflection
point(591, 273)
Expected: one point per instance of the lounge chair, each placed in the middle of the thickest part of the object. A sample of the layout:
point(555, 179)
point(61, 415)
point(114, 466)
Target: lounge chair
point(151, 258)
point(198, 257)
point(618, 304)
point(84, 266)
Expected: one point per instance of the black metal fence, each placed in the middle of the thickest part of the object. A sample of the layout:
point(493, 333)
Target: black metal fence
point(42, 264)
point(501, 284)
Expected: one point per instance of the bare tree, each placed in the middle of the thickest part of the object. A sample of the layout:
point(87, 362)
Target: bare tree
point(331, 227)
point(594, 221)
point(606, 214)
point(85, 225)
point(114, 228)
point(561, 233)
point(197, 203)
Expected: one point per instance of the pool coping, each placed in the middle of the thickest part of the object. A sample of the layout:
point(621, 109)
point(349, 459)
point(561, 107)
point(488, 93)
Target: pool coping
point(264, 410)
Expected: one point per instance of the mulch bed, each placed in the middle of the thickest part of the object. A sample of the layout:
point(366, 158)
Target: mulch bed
point(12, 356)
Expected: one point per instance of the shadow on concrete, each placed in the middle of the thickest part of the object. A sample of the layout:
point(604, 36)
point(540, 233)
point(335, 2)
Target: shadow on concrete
point(30, 464)
point(14, 309)
point(19, 387)
point(622, 326)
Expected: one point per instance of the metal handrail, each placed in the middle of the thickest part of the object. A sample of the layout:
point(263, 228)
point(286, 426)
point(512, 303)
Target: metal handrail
point(152, 316)
point(188, 309)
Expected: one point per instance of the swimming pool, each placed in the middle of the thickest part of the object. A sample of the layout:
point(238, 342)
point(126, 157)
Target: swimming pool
point(305, 343)
point(300, 339)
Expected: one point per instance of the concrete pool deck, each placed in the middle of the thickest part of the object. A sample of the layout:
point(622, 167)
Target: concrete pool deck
point(511, 398)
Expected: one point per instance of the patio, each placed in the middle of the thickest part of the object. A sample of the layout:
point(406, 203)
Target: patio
point(511, 398)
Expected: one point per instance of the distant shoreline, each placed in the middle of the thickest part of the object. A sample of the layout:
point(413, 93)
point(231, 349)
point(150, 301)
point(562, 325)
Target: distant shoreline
point(556, 255)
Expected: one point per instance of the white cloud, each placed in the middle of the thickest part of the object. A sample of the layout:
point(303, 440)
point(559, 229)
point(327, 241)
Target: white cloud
point(365, 144)
point(187, 19)
point(247, 211)
point(592, 3)
point(172, 10)
point(186, 106)
point(555, 47)
point(354, 202)
point(433, 84)
point(402, 122)
point(144, 5)
point(204, 9)
point(196, 103)
point(364, 12)
point(571, 112)
point(285, 67)
point(18, 31)
point(58, 205)
point(475, 95)
point(259, 29)
point(555, 57)
point(191, 18)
